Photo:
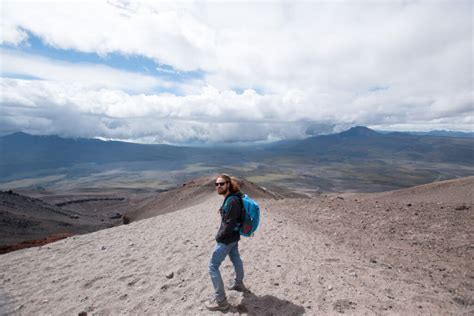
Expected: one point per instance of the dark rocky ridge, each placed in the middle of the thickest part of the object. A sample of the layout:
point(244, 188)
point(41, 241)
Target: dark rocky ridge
point(31, 222)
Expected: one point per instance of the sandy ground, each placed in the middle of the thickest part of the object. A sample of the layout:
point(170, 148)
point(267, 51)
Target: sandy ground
point(327, 256)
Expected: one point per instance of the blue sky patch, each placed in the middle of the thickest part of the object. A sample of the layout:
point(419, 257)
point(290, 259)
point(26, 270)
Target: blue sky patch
point(133, 63)
point(378, 88)
point(18, 76)
point(240, 90)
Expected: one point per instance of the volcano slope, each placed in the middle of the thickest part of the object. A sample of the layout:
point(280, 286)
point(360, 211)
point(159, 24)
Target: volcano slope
point(402, 252)
point(26, 222)
point(190, 193)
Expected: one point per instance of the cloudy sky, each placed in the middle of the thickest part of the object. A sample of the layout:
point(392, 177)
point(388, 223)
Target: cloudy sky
point(220, 71)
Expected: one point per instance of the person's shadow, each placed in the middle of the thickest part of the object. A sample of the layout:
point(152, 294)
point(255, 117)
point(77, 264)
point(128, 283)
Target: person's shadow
point(267, 305)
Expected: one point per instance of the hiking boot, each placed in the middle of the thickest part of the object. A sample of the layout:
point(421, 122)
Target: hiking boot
point(239, 287)
point(214, 305)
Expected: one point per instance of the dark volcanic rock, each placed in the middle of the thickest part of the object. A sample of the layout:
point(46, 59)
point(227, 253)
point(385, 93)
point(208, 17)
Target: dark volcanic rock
point(116, 216)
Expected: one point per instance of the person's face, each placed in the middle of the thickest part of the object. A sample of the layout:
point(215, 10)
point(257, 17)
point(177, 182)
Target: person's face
point(222, 186)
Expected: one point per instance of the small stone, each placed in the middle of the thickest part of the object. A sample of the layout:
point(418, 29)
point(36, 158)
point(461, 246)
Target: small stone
point(117, 215)
point(409, 204)
point(276, 284)
point(170, 275)
point(83, 313)
point(103, 248)
point(126, 220)
point(330, 288)
point(124, 297)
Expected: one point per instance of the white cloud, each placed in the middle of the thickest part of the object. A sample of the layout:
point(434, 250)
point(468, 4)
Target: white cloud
point(210, 116)
point(311, 63)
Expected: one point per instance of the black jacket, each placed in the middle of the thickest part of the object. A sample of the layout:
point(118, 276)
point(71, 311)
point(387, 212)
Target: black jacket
point(231, 217)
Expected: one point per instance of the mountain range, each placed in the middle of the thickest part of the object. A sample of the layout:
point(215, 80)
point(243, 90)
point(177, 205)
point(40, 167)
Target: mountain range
point(443, 133)
point(360, 155)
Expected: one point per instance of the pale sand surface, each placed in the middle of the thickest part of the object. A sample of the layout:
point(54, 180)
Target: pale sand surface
point(292, 267)
point(123, 270)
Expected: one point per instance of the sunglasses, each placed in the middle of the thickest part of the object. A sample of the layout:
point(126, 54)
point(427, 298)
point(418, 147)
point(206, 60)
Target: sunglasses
point(219, 184)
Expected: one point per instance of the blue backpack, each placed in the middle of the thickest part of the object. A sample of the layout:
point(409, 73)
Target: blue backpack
point(250, 218)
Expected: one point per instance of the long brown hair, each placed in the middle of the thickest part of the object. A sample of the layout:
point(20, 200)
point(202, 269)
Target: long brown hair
point(233, 181)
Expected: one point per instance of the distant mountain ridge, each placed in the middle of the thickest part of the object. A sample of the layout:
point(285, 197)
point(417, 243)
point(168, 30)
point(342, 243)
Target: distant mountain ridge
point(20, 149)
point(23, 152)
point(362, 142)
point(442, 133)
point(353, 131)
point(388, 159)
point(358, 131)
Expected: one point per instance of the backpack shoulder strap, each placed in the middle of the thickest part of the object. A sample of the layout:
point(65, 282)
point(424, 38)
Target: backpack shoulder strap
point(224, 210)
point(230, 198)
